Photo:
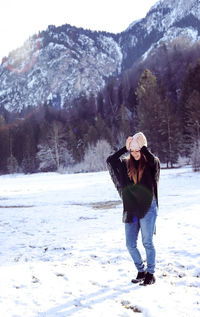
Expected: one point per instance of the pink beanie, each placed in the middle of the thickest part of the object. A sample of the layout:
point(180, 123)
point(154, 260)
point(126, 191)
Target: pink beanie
point(134, 144)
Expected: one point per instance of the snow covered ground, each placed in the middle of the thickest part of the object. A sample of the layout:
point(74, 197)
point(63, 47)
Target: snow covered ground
point(62, 248)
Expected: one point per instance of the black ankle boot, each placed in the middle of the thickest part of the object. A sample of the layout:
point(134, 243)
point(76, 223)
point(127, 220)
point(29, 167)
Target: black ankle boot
point(149, 279)
point(139, 278)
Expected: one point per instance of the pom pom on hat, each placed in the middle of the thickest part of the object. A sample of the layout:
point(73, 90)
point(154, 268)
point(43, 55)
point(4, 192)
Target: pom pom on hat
point(134, 144)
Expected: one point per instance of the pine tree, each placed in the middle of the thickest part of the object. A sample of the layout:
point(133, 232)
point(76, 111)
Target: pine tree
point(193, 120)
point(12, 165)
point(169, 131)
point(190, 108)
point(120, 97)
point(124, 121)
point(100, 103)
point(196, 157)
point(92, 135)
point(157, 119)
point(110, 97)
point(103, 130)
point(148, 109)
point(71, 138)
point(4, 144)
point(30, 139)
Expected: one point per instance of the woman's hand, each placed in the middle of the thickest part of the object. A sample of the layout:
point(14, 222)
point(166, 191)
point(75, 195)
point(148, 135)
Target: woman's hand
point(141, 140)
point(128, 142)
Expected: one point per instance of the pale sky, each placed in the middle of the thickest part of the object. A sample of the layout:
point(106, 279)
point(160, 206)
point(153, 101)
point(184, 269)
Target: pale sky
point(23, 18)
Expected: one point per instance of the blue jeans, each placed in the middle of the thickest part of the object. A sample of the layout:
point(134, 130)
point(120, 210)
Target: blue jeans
point(147, 226)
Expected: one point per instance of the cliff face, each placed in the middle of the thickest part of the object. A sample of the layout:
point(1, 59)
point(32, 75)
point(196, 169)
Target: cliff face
point(63, 62)
point(165, 21)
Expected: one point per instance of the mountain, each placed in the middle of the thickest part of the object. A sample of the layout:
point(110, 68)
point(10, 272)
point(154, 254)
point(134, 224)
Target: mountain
point(64, 62)
point(60, 63)
point(166, 20)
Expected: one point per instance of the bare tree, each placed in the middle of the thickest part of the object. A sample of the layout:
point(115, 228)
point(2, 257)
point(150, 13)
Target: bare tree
point(94, 158)
point(53, 152)
point(196, 157)
point(12, 165)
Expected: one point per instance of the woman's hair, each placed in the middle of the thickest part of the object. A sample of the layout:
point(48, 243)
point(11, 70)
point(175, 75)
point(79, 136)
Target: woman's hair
point(131, 167)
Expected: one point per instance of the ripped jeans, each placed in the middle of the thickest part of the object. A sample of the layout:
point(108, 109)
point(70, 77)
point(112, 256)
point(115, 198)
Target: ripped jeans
point(147, 226)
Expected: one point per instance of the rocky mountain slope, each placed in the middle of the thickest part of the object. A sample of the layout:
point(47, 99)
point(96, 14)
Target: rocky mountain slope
point(63, 62)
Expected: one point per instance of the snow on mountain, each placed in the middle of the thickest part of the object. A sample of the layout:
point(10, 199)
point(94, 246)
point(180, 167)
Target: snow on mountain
point(67, 61)
point(165, 21)
point(168, 12)
point(132, 24)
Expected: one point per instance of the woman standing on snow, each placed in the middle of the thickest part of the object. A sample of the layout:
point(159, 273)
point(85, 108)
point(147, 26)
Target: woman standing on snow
point(136, 178)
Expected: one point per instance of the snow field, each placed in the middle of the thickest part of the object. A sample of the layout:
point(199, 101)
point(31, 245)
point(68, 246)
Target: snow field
point(62, 248)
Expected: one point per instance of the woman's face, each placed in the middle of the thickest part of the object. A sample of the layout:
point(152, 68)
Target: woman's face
point(136, 154)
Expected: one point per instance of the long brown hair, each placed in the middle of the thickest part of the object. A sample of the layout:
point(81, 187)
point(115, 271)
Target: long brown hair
point(132, 170)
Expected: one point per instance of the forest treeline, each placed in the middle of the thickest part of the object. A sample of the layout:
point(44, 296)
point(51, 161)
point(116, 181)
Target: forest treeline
point(159, 97)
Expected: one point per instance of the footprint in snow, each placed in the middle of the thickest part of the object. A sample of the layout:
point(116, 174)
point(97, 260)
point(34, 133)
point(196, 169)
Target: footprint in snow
point(35, 279)
point(134, 308)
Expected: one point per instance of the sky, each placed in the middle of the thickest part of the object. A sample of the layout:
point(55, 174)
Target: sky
point(22, 18)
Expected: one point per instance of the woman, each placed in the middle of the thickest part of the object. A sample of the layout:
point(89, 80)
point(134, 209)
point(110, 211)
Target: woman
point(136, 178)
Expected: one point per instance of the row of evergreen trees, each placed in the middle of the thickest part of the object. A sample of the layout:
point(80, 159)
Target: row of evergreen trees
point(48, 139)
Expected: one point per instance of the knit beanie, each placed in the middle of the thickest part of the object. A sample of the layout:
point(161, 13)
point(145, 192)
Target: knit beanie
point(134, 144)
